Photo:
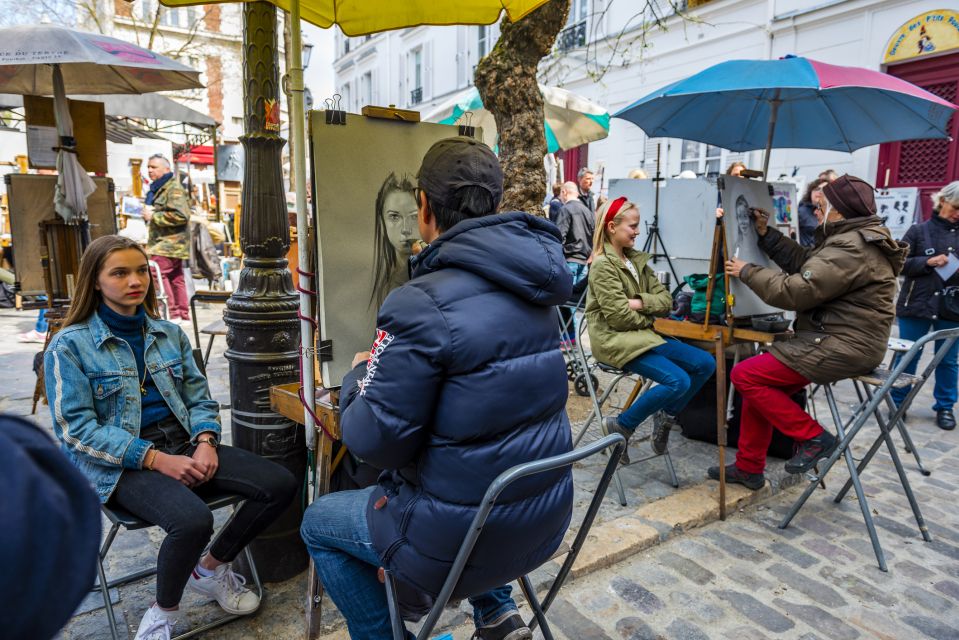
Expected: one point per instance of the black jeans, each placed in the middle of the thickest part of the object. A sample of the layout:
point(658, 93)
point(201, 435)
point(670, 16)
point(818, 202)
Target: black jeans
point(181, 512)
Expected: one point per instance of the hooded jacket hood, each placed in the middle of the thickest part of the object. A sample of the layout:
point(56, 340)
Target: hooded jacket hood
point(873, 232)
point(517, 251)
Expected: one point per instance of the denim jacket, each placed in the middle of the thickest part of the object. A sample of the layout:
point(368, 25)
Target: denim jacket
point(93, 388)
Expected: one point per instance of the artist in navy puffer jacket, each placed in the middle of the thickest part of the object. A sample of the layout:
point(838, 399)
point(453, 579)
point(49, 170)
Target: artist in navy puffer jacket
point(464, 380)
point(470, 383)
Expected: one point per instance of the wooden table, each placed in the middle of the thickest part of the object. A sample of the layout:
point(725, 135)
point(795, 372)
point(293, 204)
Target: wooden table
point(721, 337)
point(285, 400)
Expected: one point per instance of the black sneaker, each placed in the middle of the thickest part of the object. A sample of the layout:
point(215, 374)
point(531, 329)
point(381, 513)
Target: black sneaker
point(811, 451)
point(662, 425)
point(945, 419)
point(734, 475)
point(509, 626)
point(613, 426)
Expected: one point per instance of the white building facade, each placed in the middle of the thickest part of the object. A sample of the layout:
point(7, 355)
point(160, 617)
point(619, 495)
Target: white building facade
point(414, 68)
point(843, 32)
point(607, 56)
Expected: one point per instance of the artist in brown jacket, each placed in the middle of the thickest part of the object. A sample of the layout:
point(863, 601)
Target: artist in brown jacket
point(843, 290)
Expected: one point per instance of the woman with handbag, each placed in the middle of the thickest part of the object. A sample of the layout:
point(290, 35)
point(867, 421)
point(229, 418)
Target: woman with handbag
point(929, 303)
point(623, 300)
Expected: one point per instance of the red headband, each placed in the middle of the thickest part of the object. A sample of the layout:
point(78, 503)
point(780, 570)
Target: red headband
point(614, 208)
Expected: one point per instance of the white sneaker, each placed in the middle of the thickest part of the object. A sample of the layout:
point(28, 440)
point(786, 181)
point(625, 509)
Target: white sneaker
point(227, 588)
point(156, 624)
point(32, 336)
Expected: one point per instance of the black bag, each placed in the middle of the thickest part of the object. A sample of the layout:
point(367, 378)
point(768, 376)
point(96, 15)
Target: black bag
point(698, 419)
point(949, 304)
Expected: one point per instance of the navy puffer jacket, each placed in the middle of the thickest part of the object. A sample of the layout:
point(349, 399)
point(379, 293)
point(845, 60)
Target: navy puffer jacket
point(464, 381)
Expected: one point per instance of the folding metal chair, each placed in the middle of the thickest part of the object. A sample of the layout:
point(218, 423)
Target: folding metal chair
point(897, 347)
point(615, 441)
point(121, 518)
point(161, 295)
point(215, 328)
point(875, 388)
point(590, 381)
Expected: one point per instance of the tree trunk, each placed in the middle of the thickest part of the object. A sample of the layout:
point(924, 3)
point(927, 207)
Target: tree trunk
point(506, 80)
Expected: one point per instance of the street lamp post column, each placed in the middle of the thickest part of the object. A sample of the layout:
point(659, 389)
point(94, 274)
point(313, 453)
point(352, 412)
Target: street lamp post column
point(261, 315)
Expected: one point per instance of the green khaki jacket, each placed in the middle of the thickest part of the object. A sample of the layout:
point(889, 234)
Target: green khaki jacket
point(169, 227)
point(843, 290)
point(617, 334)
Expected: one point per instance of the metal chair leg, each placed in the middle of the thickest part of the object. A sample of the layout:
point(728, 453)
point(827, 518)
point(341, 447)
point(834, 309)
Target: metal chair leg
point(540, 616)
point(105, 589)
point(855, 423)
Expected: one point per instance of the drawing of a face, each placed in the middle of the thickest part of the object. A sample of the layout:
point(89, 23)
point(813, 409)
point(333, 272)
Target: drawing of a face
point(395, 230)
point(744, 219)
point(399, 214)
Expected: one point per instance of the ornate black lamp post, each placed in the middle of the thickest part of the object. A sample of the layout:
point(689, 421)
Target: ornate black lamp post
point(263, 330)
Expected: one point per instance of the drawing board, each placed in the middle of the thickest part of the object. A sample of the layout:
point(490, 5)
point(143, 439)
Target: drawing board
point(739, 195)
point(687, 218)
point(364, 177)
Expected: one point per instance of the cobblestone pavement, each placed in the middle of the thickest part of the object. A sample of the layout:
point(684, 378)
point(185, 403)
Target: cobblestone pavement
point(638, 577)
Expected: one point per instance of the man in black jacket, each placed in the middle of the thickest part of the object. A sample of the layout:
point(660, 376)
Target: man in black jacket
point(463, 381)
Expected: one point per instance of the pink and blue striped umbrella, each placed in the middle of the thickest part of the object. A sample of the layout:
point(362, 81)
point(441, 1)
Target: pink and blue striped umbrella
point(792, 102)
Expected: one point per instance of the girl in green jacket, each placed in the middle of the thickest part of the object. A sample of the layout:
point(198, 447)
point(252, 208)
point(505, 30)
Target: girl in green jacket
point(624, 297)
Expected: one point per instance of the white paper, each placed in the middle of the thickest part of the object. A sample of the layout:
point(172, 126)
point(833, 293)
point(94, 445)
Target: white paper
point(40, 144)
point(947, 270)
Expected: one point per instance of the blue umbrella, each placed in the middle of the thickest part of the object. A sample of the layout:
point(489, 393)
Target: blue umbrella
point(793, 102)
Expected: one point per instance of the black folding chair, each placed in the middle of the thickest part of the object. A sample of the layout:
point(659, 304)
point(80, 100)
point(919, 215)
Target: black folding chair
point(615, 441)
point(121, 518)
point(876, 387)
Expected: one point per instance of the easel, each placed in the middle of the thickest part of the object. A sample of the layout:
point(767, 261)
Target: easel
point(655, 240)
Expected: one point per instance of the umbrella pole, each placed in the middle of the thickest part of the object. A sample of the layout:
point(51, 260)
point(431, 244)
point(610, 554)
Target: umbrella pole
point(298, 160)
point(774, 103)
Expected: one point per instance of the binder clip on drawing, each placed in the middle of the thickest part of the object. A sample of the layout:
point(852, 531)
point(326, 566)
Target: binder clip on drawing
point(333, 113)
point(467, 129)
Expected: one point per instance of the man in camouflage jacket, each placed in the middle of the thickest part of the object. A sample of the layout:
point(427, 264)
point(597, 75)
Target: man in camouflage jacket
point(169, 241)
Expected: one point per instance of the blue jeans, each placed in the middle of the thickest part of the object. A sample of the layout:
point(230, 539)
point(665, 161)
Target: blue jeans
point(337, 536)
point(947, 373)
point(679, 371)
point(579, 273)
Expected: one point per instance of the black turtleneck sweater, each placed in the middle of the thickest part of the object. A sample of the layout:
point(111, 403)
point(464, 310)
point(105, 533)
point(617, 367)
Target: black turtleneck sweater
point(132, 329)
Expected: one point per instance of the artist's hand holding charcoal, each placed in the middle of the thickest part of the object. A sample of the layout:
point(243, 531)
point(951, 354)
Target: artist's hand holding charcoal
point(734, 266)
point(762, 221)
point(938, 261)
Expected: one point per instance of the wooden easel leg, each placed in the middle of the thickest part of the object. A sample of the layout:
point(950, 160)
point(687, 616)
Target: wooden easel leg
point(324, 452)
point(721, 420)
point(713, 265)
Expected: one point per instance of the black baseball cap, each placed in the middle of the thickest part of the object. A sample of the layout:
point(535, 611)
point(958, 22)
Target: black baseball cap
point(454, 163)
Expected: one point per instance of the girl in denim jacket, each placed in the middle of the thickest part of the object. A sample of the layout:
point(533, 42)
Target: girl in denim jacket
point(134, 413)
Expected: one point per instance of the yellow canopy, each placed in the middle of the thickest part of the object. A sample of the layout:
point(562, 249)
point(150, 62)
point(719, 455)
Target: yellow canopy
point(360, 17)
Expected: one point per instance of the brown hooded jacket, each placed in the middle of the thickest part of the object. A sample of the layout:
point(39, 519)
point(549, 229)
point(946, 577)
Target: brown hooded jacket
point(843, 290)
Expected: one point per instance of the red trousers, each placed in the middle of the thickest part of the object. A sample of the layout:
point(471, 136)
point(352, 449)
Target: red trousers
point(766, 385)
point(171, 270)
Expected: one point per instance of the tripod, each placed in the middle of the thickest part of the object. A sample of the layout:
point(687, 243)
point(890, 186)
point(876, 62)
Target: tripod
point(654, 241)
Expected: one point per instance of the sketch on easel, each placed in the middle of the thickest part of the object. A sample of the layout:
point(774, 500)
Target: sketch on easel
point(739, 197)
point(366, 216)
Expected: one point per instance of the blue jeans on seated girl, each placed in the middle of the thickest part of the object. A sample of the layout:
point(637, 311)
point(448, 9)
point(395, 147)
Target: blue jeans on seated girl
point(947, 371)
point(338, 539)
point(679, 371)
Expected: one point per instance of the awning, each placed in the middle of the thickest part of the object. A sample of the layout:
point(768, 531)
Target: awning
point(122, 131)
point(150, 106)
point(200, 154)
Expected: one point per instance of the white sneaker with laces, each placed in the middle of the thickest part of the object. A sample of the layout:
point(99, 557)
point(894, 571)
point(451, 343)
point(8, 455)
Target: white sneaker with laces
point(155, 625)
point(227, 588)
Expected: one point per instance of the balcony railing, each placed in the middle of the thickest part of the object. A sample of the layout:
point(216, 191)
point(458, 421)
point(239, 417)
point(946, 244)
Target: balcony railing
point(416, 95)
point(572, 37)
